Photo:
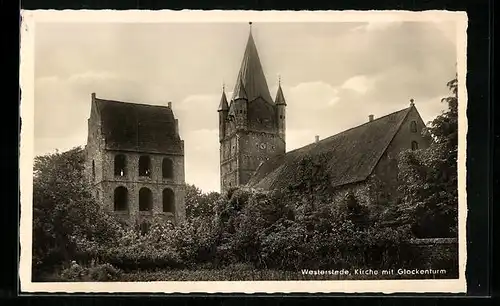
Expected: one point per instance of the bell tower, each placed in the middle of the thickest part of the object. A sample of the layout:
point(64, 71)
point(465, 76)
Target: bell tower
point(251, 126)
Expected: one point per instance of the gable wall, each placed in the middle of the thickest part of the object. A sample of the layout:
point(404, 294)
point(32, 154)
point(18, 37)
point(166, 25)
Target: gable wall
point(386, 170)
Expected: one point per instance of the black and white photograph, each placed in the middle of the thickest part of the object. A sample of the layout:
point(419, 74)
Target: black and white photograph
point(240, 151)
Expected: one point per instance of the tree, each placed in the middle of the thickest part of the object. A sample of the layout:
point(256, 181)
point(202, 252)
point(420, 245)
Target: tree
point(199, 204)
point(64, 211)
point(429, 177)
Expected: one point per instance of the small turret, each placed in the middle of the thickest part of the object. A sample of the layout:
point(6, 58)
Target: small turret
point(239, 107)
point(240, 93)
point(222, 110)
point(281, 111)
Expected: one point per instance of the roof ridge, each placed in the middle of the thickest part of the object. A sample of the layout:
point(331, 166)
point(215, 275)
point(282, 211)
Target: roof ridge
point(132, 103)
point(392, 138)
point(352, 128)
point(369, 142)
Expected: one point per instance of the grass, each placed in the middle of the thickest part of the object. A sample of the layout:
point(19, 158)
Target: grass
point(239, 273)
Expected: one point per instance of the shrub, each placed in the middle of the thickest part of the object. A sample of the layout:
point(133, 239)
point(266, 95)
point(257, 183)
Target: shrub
point(94, 272)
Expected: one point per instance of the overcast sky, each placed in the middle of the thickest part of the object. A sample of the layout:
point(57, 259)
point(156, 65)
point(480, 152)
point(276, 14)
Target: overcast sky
point(333, 76)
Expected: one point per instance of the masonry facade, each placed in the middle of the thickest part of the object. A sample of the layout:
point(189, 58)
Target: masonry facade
point(252, 126)
point(135, 160)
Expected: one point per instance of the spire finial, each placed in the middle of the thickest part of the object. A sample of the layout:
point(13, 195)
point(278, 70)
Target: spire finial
point(250, 24)
point(279, 79)
point(223, 86)
point(412, 102)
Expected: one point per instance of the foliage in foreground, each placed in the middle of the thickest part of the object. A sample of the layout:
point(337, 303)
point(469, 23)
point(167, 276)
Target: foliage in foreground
point(64, 211)
point(429, 182)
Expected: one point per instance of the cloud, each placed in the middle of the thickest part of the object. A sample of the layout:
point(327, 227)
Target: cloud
point(377, 25)
point(311, 95)
point(358, 83)
point(202, 158)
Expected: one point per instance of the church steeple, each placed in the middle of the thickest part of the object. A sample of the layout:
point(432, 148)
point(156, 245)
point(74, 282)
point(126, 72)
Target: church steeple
point(252, 130)
point(251, 78)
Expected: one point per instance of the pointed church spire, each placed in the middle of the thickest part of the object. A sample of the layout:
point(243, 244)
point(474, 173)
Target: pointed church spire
point(223, 106)
point(251, 76)
point(280, 98)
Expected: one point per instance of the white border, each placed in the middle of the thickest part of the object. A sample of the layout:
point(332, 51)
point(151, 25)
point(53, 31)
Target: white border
point(28, 27)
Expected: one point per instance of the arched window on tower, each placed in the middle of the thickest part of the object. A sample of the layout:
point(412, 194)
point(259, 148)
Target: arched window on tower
point(145, 199)
point(167, 168)
point(414, 145)
point(121, 199)
point(93, 169)
point(168, 200)
point(413, 126)
point(120, 165)
point(144, 166)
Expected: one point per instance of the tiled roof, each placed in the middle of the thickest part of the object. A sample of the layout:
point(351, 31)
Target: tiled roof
point(251, 76)
point(138, 127)
point(351, 155)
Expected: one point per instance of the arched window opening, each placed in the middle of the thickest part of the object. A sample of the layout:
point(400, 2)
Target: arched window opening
point(168, 200)
point(93, 169)
point(121, 199)
point(145, 199)
point(144, 166)
point(167, 168)
point(413, 126)
point(414, 145)
point(120, 165)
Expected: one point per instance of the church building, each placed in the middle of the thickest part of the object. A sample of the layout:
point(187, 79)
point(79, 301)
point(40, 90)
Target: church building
point(135, 160)
point(252, 128)
point(355, 159)
point(252, 125)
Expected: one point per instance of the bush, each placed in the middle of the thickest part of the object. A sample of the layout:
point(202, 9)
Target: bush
point(94, 272)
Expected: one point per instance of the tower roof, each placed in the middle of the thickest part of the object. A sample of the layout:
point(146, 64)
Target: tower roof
point(280, 98)
point(223, 102)
point(251, 76)
point(138, 127)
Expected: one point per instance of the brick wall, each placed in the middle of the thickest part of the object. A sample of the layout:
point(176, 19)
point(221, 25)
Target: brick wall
point(133, 182)
point(385, 173)
point(99, 168)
